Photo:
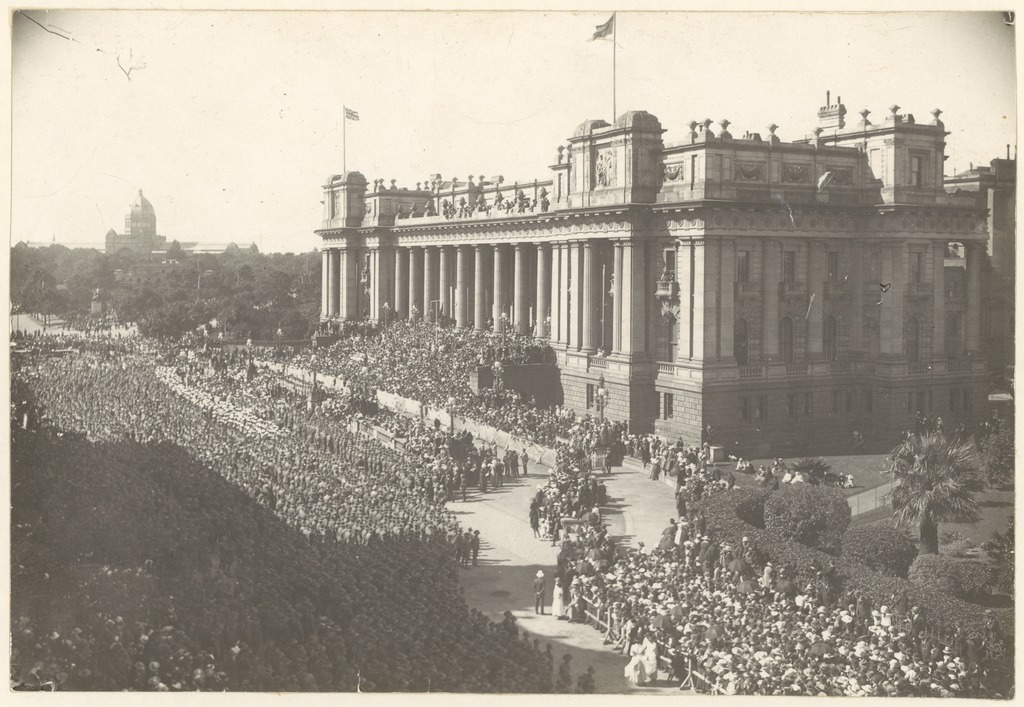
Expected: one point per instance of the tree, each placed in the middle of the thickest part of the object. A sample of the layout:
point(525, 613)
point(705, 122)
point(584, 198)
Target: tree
point(995, 453)
point(933, 483)
point(1000, 556)
point(815, 516)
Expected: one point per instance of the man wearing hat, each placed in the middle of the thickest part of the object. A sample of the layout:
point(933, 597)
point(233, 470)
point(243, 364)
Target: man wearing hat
point(538, 591)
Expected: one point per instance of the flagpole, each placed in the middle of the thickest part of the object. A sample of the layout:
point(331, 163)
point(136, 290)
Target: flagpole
point(615, 51)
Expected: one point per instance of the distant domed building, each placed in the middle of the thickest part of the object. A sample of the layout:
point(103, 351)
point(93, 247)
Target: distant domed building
point(139, 229)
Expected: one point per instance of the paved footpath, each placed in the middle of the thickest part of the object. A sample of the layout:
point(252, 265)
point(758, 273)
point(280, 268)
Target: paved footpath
point(638, 509)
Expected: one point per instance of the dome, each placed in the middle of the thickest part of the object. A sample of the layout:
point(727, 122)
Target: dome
point(111, 233)
point(589, 126)
point(142, 208)
point(638, 119)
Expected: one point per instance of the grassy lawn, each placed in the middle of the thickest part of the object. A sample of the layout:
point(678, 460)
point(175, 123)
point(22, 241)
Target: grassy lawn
point(996, 509)
point(863, 467)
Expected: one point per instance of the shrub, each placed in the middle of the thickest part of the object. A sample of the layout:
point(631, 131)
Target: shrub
point(1000, 556)
point(961, 578)
point(946, 613)
point(814, 469)
point(995, 453)
point(811, 515)
point(883, 547)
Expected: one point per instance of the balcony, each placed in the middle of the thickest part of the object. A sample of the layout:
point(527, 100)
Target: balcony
point(796, 369)
point(919, 289)
point(748, 289)
point(792, 289)
point(747, 372)
point(666, 289)
point(838, 288)
point(667, 368)
point(840, 367)
point(958, 366)
point(917, 369)
point(596, 362)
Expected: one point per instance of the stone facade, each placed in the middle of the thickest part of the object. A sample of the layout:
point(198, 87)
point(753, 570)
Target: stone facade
point(783, 292)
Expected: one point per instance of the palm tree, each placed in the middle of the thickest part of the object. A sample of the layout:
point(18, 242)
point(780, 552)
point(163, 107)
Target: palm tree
point(933, 482)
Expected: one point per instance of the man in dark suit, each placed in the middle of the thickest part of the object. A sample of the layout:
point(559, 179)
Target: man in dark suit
point(474, 545)
point(538, 591)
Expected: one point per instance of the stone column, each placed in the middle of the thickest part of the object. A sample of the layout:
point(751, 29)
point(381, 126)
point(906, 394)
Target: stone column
point(891, 316)
point(618, 313)
point(522, 308)
point(938, 253)
point(446, 278)
point(684, 276)
point(375, 283)
point(479, 300)
point(462, 285)
point(401, 282)
point(856, 296)
point(566, 296)
point(416, 282)
point(335, 281)
point(815, 286)
point(543, 291)
point(430, 258)
point(576, 296)
point(699, 341)
point(559, 270)
point(589, 341)
point(706, 289)
point(727, 302)
point(498, 285)
point(772, 277)
point(974, 254)
point(345, 259)
point(325, 282)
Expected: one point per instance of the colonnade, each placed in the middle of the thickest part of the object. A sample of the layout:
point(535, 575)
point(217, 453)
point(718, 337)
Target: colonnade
point(582, 294)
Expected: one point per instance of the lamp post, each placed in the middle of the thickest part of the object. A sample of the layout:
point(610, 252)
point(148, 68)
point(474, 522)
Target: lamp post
point(602, 397)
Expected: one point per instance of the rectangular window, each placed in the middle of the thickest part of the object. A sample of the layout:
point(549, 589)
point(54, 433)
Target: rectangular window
point(762, 408)
point(792, 405)
point(868, 400)
point(836, 401)
point(929, 401)
point(917, 266)
point(745, 408)
point(920, 402)
point(910, 403)
point(807, 404)
point(915, 171)
point(849, 401)
point(833, 266)
point(743, 266)
point(670, 261)
point(789, 266)
point(668, 406)
point(954, 400)
point(968, 402)
point(590, 395)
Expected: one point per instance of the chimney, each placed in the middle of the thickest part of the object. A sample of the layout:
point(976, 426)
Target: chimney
point(832, 117)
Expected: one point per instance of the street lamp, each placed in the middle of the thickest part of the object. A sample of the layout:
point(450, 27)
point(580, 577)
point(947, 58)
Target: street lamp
point(602, 397)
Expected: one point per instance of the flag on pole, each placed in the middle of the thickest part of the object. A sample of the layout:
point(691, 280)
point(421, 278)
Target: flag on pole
point(605, 30)
point(351, 114)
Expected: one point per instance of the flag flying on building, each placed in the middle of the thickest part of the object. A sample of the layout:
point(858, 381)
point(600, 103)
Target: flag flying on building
point(606, 30)
point(351, 114)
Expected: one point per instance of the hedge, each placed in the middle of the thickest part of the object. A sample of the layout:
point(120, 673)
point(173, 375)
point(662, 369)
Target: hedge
point(812, 515)
point(726, 513)
point(962, 578)
point(883, 547)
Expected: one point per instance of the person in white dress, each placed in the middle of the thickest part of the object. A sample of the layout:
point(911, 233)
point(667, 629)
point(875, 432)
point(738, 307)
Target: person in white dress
point(558, 600)
point(649, 655)
point(635, 671)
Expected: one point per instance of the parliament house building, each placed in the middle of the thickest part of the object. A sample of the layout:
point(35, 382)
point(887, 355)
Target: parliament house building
point(782, 293)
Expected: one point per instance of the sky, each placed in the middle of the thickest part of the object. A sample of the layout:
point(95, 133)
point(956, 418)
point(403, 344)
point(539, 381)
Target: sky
point(231, 121)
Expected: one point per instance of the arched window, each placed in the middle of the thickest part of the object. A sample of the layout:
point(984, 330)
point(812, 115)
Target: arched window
point(741, 342)
point(830, 339)
point(672, 337)
point(914, 340)
point(786, 348)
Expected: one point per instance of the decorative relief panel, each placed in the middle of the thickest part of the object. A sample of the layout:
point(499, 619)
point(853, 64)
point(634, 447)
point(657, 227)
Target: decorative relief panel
point(604, 168)
point(796, 173)
point(673, 172)
point(750, 171)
